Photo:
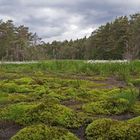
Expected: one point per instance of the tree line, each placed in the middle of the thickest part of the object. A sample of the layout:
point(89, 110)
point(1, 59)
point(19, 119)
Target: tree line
point(17, 43)
point(119, 39)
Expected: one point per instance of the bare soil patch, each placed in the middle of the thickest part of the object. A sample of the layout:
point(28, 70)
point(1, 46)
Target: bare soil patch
point(79, 132)
point(8, 129)
point(73, 104)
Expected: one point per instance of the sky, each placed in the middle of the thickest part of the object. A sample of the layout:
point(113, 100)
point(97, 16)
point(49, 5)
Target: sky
point(65, 19)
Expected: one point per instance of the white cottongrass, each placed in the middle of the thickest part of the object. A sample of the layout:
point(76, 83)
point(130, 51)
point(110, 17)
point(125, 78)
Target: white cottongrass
point(18, 62)
point(107, 61)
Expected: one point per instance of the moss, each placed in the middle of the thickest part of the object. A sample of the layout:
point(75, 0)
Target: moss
point(111, 102)
point(95, 108)
point(42, 132)
point(100, 95)
point(24, 80)
point(135, 82)
point(8, 76)
point(43, 91)
point(55, 95)
point(118, 131)
point(11, 87)
point(113, 92)
point(12, 98)
point(107, 107)
point(98, 129)
point(107, 129)
point(49, 112)
point(71, 93)
point(136, 108)
point(24, 89)
point(53, 114)
point(15, 112)
point(134, 132)
point(40, 90)
point(135, 120)
point(3, 98)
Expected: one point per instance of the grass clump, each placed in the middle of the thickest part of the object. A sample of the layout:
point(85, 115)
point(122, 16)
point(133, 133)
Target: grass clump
point(42, 132)
point(123, 70)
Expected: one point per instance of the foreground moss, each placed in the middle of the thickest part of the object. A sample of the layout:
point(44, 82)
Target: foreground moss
point(108, 129)
point(53, 114)
point(42, 132)
point(49, 112)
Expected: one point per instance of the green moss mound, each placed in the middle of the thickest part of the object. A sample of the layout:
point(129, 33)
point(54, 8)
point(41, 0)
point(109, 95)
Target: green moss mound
point(112, 102)
point(50, 112)
point(107, 107)
point(53, 114)
point(135, 120)
point(136, 108)
point(12, 87)
point(42, 132)
point(24, 80)
point(107, 129)
point(15, 112)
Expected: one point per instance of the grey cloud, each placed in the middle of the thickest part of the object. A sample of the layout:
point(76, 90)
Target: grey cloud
point(62, 19)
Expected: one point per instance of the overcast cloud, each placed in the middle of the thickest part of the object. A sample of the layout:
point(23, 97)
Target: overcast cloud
point(65, 19)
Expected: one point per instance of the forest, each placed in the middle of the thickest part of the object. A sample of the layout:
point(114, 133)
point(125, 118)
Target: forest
point(115, 40)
